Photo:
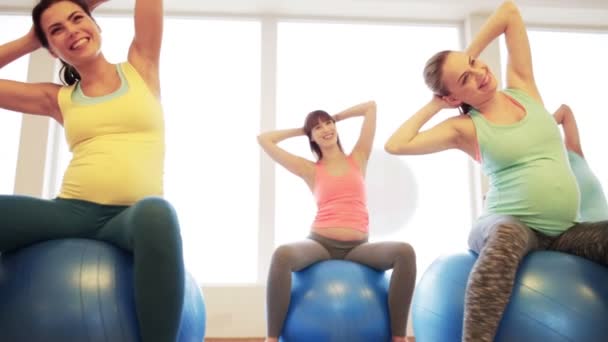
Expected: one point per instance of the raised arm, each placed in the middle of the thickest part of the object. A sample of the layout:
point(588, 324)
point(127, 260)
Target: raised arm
point(144, 52)
point(30, 98)
point(564, 117)
point(93, 4)
point(363, 147)
point(507, 20)
point(451, 133)
point(297, 165)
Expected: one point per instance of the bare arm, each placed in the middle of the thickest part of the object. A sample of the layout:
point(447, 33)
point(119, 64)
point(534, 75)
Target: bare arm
point(17, 48)
point(144, 52)
point(30, 98)
point(408, 139)
point(507, 20)
point(564, 117)
point(93, 4)
point(297, 165)
point(363, 147)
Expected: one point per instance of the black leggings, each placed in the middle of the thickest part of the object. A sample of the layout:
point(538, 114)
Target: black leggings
point(502, 242)
point(149, 229)
point(293, 257)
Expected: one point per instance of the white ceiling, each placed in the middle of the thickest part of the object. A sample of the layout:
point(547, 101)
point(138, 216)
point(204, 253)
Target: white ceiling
point(584, 13)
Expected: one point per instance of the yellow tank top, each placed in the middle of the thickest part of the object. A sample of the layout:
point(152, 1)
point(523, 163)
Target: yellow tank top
point(117, 141)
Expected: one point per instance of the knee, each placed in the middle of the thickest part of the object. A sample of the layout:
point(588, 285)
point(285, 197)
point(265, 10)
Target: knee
point(283, 256)
point(507, 245)
point(154, 208)
point(156, 223)
point(406, 255)
point(405, 251)
point(155, 211)
point(509, 233)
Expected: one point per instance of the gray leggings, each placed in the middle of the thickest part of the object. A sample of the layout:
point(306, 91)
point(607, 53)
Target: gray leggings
point(296, 256)
point(502, 241)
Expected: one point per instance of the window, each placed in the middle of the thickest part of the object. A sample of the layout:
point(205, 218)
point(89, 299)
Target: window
point(210, 94)
point(570, 68)
point(10, 128)
point(424, 200)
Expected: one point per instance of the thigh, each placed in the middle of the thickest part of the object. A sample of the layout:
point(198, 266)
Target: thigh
point(381, 255)
point(487, 226)
point(150, 221)
point(587, 239)
point(299, 255)
point(25, 220)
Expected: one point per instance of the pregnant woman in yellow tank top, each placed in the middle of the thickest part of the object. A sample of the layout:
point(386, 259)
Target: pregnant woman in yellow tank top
point(113, 121)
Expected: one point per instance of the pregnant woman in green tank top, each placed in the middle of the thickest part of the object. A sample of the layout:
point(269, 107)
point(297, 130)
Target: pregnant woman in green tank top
point(533, 200)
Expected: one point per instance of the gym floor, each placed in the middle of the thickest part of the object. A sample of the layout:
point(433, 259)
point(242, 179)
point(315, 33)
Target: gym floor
point(410, 339)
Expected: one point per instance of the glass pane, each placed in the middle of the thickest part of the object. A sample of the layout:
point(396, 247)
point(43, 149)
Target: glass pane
point(570, 68)
point(211, 102)
point(211, 95)
point(332, 66)
point(11, 27)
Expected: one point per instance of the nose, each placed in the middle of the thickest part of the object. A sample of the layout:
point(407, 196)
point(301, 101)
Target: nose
point(479, 72)
point(71, 29)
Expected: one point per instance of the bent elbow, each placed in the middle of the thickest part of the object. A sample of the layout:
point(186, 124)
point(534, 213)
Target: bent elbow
point(261, 138)
point(392, 148)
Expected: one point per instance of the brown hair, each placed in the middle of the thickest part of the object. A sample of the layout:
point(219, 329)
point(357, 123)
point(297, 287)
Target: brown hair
point(433, 77)
point(312, 119)
point(67, 73)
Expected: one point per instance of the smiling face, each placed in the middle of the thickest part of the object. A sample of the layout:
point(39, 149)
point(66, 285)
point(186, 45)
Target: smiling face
point(320, 128)
point(467, 79)
point(324, 133)
point(71, 33)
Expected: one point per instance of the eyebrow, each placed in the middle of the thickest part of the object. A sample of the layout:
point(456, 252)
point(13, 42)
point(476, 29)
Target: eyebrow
point(69, 18)
point(464, 73)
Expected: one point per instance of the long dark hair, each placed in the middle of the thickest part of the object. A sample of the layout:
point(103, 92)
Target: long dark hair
point(433, 77)
point(312, 119)
point(68, 74)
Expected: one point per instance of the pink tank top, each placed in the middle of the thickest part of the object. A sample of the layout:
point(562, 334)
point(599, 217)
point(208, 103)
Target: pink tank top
point(341, 200)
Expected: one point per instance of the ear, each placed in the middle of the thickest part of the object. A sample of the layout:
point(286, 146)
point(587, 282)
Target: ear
point(450, 100)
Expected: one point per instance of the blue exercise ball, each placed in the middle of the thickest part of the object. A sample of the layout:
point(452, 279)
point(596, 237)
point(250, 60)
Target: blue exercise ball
point(337, 300)
point(556, 297)
point(79, 290)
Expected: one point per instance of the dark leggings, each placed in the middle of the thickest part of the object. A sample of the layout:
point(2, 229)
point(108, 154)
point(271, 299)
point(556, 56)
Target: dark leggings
point(502, 242)
point(381, 255)
point(149, 229)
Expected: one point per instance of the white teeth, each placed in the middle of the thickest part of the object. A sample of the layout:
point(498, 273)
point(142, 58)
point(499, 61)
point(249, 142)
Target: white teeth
point(78, 43)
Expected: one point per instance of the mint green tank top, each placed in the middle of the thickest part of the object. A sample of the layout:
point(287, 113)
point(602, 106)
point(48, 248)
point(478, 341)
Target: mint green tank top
point(529, 175)
point(593, 201)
